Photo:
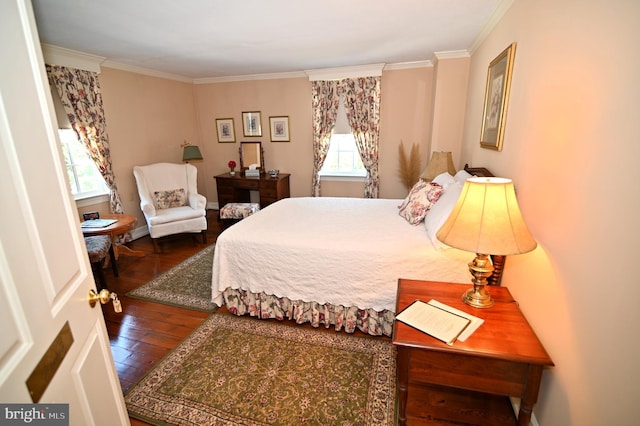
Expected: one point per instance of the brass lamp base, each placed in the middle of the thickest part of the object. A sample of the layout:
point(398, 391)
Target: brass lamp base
point(481, 268)
point(477, 297)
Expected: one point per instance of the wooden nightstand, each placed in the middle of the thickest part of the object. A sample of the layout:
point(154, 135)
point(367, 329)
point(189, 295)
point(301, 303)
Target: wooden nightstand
point(502, 357)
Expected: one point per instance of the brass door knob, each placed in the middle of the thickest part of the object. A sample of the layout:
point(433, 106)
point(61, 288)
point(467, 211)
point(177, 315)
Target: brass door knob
point(103, 297)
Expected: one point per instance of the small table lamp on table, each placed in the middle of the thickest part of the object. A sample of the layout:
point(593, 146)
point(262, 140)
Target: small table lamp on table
point(440, 162)
point(486, 220)
point(190, 152)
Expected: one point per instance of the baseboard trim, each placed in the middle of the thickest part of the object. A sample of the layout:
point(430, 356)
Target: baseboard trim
point(139, 232)
point(515, 403)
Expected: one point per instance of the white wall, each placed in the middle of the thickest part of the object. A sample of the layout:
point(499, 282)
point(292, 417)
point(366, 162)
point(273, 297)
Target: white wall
point(571, 145)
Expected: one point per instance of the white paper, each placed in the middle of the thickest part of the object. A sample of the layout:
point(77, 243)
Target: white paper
point(473, 325)
point(433, 320)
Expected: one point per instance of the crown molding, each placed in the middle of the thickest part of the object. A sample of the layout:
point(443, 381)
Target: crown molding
point(151, 73)
point(451, 54)
point(229, 79)
point(54, 55)
point(408, 65)
point(497, 15)
point(372, 70)
point(75, 59)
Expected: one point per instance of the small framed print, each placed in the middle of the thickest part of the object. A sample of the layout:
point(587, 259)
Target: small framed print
point(279, 128)
point(226, 132)
point(251, 123)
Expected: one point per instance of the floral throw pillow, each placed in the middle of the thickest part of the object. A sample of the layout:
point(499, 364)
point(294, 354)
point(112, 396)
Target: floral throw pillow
point(421, 198)
point(170, 199)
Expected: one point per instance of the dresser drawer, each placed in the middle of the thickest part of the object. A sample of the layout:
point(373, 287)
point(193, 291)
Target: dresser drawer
point(247, 184)
point(269, 192)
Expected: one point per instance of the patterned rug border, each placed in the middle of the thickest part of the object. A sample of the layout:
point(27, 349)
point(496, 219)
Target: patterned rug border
point(150, 292)
point(382, 396)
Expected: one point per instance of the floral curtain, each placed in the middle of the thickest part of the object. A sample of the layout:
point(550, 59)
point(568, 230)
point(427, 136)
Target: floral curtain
point(362, 102)
point(324, 103)
point(81, 97)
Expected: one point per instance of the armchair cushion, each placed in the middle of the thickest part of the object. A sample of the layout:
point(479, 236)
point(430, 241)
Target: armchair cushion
point(174, 214)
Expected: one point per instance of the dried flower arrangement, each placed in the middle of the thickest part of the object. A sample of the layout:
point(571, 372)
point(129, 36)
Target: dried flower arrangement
point(409, 165)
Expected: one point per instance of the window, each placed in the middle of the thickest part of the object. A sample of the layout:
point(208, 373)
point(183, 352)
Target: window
point(343, 158)
point(84, 177)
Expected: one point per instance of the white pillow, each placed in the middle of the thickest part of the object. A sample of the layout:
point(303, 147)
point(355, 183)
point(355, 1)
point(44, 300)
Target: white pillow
point(440, 211)
point(462, 175)
point(444, 180)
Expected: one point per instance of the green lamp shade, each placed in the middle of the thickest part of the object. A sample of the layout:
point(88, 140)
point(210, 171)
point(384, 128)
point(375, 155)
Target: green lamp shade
point(191, 152)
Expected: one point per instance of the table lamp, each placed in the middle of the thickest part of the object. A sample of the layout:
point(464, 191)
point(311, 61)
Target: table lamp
point(440, 162)
point(486, 220)
point(190, 152)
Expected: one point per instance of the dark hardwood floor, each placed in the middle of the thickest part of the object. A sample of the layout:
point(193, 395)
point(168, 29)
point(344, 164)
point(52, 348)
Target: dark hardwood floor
point(145, 331)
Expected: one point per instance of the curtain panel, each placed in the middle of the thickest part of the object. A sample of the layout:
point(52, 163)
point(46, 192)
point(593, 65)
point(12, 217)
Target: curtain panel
point(81, 97)
point(362, 104)
point(324, 104)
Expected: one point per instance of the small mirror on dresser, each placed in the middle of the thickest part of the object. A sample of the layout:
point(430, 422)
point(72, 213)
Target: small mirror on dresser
point(251, 153)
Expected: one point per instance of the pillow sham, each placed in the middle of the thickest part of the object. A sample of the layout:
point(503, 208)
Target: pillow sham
point(420, 199)
point(170, 199)
point(440, 212)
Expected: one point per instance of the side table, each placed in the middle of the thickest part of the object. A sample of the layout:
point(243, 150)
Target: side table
point(124, 224)
point(502, 357)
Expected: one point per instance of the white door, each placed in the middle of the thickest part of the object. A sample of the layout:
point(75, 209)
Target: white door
point(54, 347)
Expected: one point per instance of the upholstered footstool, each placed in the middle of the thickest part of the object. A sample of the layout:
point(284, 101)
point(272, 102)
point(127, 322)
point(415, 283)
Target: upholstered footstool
point(98, 247)
point(234, 212)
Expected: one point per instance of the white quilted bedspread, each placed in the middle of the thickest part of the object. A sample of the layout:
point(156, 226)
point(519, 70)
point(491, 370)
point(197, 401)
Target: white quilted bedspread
point(344, 251)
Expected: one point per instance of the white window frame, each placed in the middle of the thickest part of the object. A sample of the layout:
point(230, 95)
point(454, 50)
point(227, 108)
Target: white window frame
point(353, 173)
point(342, 133)
point(84, 198)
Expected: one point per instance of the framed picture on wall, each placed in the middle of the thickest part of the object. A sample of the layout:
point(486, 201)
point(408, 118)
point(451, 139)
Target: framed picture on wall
point(251, 123)
point(225, 130)
point(496, 99)
point(279, 128)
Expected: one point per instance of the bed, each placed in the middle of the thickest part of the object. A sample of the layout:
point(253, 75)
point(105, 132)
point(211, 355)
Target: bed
point(327, 261)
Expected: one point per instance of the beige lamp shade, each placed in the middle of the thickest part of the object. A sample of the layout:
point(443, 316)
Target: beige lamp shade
point(487, 219)
point(440, 162)
point(191, 152)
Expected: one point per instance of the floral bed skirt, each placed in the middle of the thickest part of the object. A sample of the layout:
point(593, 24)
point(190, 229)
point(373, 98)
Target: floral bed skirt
point(241, 302)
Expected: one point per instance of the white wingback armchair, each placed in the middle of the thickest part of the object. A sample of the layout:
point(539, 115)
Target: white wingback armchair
point(170, 201)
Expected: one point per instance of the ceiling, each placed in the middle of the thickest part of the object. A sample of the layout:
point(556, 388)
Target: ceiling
point(223, 38)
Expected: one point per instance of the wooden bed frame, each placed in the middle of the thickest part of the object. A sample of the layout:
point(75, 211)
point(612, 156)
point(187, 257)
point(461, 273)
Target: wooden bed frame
point(497, 260)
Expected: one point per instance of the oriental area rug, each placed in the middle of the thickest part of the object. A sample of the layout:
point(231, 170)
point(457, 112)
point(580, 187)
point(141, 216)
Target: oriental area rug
point(244, 371)
point(187, 284)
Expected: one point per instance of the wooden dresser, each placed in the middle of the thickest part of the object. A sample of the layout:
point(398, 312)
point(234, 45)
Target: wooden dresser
point(237, 189)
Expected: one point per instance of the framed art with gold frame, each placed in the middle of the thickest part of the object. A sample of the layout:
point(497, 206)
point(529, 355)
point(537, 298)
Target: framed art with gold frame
point(226, 133)
point(496, 99)
point(251, 125)
point(279, 127)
